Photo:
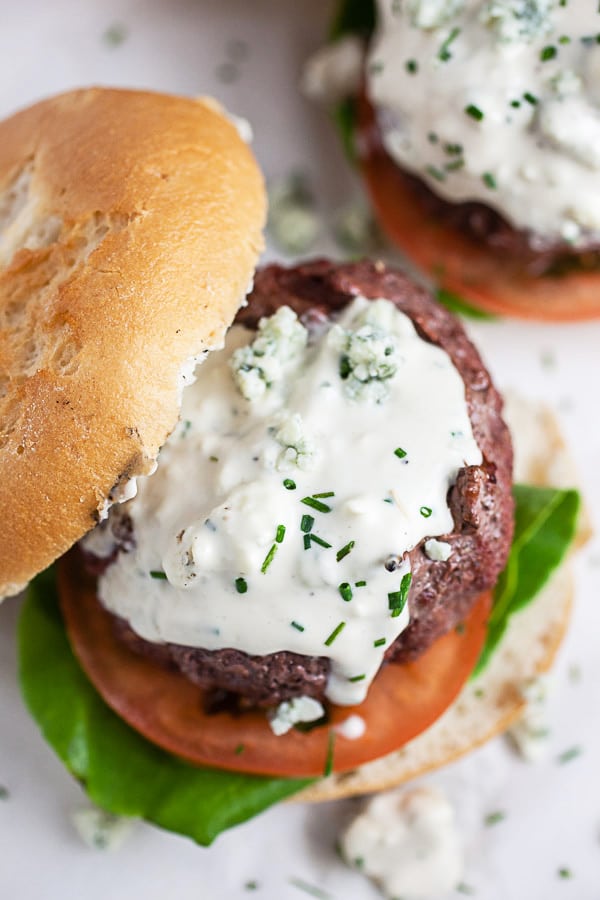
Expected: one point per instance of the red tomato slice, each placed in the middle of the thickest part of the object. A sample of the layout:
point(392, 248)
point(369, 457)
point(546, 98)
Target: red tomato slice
point(458, 263)
point(168, 709)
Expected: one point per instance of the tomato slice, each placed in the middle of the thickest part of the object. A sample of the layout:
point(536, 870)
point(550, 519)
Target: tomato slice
point(457, 262)
point(168, 709)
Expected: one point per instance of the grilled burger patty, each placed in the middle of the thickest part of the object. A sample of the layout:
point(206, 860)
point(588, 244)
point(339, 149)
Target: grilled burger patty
point(480, 501)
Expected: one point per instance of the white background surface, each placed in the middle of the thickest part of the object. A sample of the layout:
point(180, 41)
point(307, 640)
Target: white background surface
point(552, 810)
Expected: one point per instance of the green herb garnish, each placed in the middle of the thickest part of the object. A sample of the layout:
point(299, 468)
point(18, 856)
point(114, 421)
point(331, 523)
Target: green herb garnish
point(399, 452)
point(569, 755)
point(341, 554)
point(317, 540)
point(4, 792)
point(279, 536)
point(336, 631)
point(158, 574)
point(397, 599)
point(412, 66)
point(494, 818)
point(474, 112)
point(324, 494)
point(345, 591)
point(444, 52)
point(489, 180)
point(357, 678)
point(316, 504)
point(379, 642)
point(241, 585)
point(360, 584)
point(328, 769)
point(531, 98)
point(548, 53)
point(239, 749)
point(563, 872)
point(309, 889)
point(306, 523)
point(297, 626)
point(425, 511)
point(289, 484)
point(436, 173)
point(269, 559)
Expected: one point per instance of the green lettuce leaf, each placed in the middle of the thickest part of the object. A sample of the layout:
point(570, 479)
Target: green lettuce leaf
point(457, 305)
point(126, 775)
point(545, 525)
point(121, 771)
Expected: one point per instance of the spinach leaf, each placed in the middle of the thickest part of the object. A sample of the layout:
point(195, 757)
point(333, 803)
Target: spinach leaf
point(121, 771)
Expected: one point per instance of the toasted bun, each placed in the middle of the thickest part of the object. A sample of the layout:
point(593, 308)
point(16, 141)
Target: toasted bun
point(130, 225)
point(492, 702)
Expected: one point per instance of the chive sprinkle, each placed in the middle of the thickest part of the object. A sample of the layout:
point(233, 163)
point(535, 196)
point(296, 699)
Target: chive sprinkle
point(564, 873)
point(289, 485)
point(345, 591)
point(324, 494)
point(379, 642)
point(280, 534)
point(436, 173)
point(328, 769)
point(336, 631)
point(239, 749)
point(357, 678)
point(316, 504)
point(531, 98)
point(360, 584)
point(397, 599)
point(444, 52)
point(474, 112)
point(158, 574)
point(4, 792)
point(319, 541)
point(307, 538)
point(412, 66)
point(306, 523)
point(269, 559)
point(569, 755)
point(489, 180)
point(387, 500)
point(494, 818)
point(344, 551)
point(241, 585)
point(297, 626)
point(548, 53)
point(425, 511)
point(399, 452)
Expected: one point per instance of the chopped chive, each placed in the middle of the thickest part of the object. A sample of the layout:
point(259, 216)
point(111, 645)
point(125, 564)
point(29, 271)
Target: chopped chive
point(336, 631)
point(563, 872)
point(158, 574)
point(357, 678)
point(379, 642)
point(387, 500)
point(239, 749)
point(464, 888)
point(328, 769)
point(455, 165)
point(397, 599)
point(432, 137)
point(515, 104)
point(241, 585)
point(307, 538)
point(214, 458)
point(425, 511)
point(436, 173)
point(324, 494)
point(444, 52)
point(412, 66)
point(531, 98)
point(306, 523)
point(345, 591)
point(289, 485)
point(360, 584)
point(269, 559)
point(570, 754)
point(548, 53)
point(4, 792)
point(474, 112)
point(494, 818)
point(316, 504)
point(489, 180)
point(399, 452)
point(460, 628)
point(251, 886)
point(297, 626)
point(319, 541)
point(564, 39)
point(453, 149)
point(280, 534)
point(344, 551)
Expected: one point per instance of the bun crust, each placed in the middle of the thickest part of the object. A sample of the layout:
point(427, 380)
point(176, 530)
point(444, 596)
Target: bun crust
point(491, 703)
point(130, 226)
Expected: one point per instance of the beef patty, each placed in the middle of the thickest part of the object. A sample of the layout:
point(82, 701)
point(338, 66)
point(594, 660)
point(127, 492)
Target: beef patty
point(441, 593)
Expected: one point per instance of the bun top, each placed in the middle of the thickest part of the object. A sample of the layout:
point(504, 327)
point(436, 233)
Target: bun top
point(130, 226)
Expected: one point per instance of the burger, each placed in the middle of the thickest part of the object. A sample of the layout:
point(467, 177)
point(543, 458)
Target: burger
point(475, 127)
point(311, 589)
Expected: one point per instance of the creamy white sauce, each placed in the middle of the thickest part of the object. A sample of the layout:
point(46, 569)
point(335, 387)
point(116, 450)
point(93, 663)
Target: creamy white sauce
point(210, 523)
point(534, 155)
point(351, 728)
point(407, 842)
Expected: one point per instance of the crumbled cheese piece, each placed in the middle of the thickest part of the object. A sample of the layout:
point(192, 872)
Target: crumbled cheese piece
point(407, 842)
point(530, 734)
point(518, 20)
point(438, 551)
point(290, 712)
point(368, 354)
point(299, 447)
point(432, 13)
point(572, 125)
point(101, 830)
point(261, 364)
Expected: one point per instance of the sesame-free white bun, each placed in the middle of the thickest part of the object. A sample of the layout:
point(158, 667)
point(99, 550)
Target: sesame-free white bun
point(494, 700)
point(130, 226)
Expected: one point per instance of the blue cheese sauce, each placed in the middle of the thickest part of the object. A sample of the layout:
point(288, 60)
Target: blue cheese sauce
point(497, 102)
point(302, 471)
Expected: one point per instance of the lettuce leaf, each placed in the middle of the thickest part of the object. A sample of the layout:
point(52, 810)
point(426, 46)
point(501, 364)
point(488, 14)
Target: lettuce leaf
point(545, 525)
point(126, 775)
point(121, 771)
point(459, 306)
